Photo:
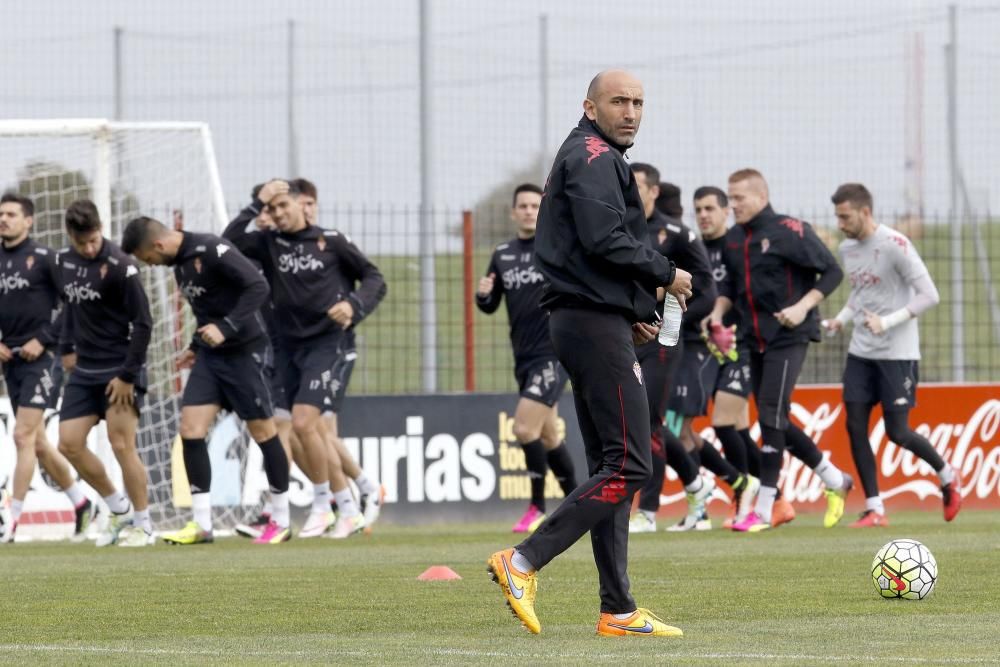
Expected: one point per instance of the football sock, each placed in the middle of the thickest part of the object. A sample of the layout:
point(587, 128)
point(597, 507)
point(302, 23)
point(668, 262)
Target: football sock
point(678, 458)
point(16, 507)
point(695, 486)
point(947, 475)
point(321, 497)
point(831, 475)
point(521, 563)
point(534, 461)
point(753, 452)
point(268, 508)
point(75, 494)
point(875, 505)
point(561, 465)
point(275, 465)
point(861, 449)
point(733, 447)
point(197, 464)
point(201, 505)
point(117, 502)
point(649, 515)
point(802, 447)
point(622, 617)
point(713, 461)
point(141, 519)
point(346, 503)
point(765, 502)
point(898, 430)
point(366, 487)
point(771, 455)
point(279, 504)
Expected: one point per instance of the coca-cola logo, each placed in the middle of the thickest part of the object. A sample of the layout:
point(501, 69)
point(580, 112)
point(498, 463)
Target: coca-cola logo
point(971, 447)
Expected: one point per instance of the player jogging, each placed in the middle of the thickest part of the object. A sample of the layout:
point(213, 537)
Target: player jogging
point(512, 275)
point(890, 289)
point(778, 271)
point(29, 334)
point(105, 333)
point(229, 359)
point(322, 286)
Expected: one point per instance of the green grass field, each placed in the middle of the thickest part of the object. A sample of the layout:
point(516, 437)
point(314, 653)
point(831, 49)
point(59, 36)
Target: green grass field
point(798, 595)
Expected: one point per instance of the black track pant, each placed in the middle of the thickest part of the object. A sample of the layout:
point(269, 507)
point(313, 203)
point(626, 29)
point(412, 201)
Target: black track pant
point(597, 352)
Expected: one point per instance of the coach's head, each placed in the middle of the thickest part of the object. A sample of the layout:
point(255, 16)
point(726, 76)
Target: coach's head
point(614, 103)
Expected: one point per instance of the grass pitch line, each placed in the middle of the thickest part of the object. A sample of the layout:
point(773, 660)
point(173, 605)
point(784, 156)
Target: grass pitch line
point(471, 653)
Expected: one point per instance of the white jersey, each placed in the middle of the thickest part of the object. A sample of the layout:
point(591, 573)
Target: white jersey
point(881, 270)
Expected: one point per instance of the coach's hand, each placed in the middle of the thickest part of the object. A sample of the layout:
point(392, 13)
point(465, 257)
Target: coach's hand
point(681, 287)
point(272, 189)
point(186, 360)
point(211, 335)
point(486, 285)
point(643, 333)
point(69, 361)
point(119, 392)
point(342, 313)
point(32, 350)
point(5, 354)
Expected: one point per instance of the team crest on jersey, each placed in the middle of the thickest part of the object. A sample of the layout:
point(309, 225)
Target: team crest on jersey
point(103, 270)
point(321, 244)
point(765, 245)
point(637, 369)
point(596, 148)
point(29, 262)
point(661, 236)
point(197, 264)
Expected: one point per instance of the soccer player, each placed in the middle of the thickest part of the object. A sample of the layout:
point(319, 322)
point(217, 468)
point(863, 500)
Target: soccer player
point(890, 289)
point(603, 281)
point(322, 286)
point(229, 358)
point(731, 391)
point(106, 330)
point(341, 462)
point(540, 378)
point(29, 334)
point(660, 364)
point(778, 271)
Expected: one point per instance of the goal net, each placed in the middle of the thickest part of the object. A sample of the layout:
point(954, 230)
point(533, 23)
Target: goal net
point(167, 171)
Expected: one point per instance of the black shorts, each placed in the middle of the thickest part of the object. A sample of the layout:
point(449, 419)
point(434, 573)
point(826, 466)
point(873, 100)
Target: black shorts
point(659, 366)
point(235, 380)
point(84, 394)
point(891, 382)
point(734, 376)
point(694, 381)
point(541, 381)
point(34, 384)
point(316, 372)
point(774, 373)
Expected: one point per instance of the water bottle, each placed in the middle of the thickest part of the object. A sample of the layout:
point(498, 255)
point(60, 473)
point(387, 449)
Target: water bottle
point(670, 329)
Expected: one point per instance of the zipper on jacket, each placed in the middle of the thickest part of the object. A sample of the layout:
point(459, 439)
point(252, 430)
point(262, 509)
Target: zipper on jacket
point(746, 275)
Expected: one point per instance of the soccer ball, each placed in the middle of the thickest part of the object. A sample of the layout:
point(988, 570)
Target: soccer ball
point(904, 569)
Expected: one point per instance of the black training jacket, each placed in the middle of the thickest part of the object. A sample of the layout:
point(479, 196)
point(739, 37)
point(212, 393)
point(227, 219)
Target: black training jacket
point(29, 295)
point(772, 262)
point(309, 271)
point(590, 241)
point(106, 318)
point(522, 285)
point(223, 287)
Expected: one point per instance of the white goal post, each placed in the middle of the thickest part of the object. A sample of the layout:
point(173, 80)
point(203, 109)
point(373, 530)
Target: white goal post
point(166, 170)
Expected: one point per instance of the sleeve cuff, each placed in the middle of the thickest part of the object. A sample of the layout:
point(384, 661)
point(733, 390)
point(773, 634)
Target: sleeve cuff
point(895, 319)
point(846, 315)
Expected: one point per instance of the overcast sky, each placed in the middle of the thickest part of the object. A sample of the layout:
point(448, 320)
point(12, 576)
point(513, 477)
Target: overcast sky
point(811, 93)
